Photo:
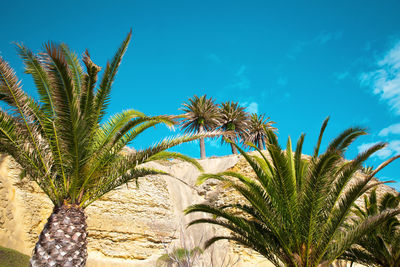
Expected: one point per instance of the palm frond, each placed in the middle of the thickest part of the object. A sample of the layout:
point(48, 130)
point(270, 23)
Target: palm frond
point(102, 96)
point(60, 141)
point(321, 133)
point(74, 67)
point(301, 205)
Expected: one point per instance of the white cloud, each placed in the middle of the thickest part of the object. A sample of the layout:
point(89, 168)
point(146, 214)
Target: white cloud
point(241, 81)
point(385, 79)
point(213, 142)
point(320, 39)
point(251, 107)
point(392, 129)
point(395, 146)
point(241, 70)
point(391, 149)
point(282, 81)
point(367, 46)
point(214, 58)
point(341, 75)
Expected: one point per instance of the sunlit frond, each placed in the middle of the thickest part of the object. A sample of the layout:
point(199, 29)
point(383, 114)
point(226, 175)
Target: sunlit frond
point(297, 209)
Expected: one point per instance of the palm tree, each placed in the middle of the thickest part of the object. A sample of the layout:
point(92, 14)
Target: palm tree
point(61, 143)
point(180, 257)
point(257, 129)
point(201, 114)
point(297, 207)
point(234, 121)
point(381, 247)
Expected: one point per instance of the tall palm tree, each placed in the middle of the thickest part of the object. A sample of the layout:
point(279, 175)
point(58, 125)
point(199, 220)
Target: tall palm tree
point(61, 143)
point(257, 129)
point(201, 114)
point(234, 121)
point(381, 247)
point(297, 208)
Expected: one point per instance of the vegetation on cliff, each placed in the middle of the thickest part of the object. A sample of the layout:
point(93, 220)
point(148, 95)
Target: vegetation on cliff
point(381, 247)
point(12, 258)
point(298, 210)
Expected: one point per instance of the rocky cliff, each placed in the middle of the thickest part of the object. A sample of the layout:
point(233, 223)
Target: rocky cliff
point(127, 227)
point(130, 226)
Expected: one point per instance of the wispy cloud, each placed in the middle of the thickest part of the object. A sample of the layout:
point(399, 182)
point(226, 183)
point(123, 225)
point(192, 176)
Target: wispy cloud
point(251, 107)
point(213, 142)
point(341, 75)
point(241, 71)
point(383, 153)
point(392, 129)
point(213, 58)
point(320, 39)
point(367, 46)
point(385, 79)
point(282, 81)
point(391, 149)
point(241, 82)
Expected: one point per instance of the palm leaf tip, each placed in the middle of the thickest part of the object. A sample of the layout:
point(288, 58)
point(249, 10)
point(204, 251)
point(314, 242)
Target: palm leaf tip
point(206, 176)
point(165, 155)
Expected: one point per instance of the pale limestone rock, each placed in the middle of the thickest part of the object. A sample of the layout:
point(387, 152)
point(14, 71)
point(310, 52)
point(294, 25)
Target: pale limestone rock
point(127, 227)
point(130, 226)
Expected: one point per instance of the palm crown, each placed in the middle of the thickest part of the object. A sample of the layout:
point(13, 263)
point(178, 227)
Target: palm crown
point(60, 140)
point(234, 121)
point(200, 114)
point(257, 129)
point(297, 208)
point(62, 143)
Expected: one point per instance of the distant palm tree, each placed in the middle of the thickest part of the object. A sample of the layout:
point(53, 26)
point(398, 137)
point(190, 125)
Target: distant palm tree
point(234, 121)
point(381, 247)
point(180, 257)
point(62, 143)
point(257, 130)
point(297, 208)
point(201, 114)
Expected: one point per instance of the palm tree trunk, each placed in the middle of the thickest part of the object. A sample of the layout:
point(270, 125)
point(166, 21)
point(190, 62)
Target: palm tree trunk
point(260, 143)
point(63, 240)
point(234, 150)
point(202, 145)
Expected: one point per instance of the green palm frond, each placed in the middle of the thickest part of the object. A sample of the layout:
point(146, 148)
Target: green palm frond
point(61, 141)
point(381, 246)
point(74, 67)
point(234, 120)
point(179, 256)
point(34, 67)
point(257, 129)
point(165, 155)
point(297, 209)
point(88, 85)
point(102, 96)
point(200, 112)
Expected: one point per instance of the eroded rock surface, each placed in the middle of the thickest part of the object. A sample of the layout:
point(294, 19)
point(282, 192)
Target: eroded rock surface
point(131, 226)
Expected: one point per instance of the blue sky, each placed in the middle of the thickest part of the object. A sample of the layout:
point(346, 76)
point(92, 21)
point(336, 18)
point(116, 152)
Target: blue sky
point(296, 61)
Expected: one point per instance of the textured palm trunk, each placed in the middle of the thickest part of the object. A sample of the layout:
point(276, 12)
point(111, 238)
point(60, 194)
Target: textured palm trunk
point(234, 150)
point(202, 144)
point(260, 143)
point(63, 241)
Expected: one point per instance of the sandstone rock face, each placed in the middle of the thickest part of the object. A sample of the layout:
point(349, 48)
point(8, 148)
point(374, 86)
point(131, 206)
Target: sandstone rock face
point(127, 227)
point(131, 226)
